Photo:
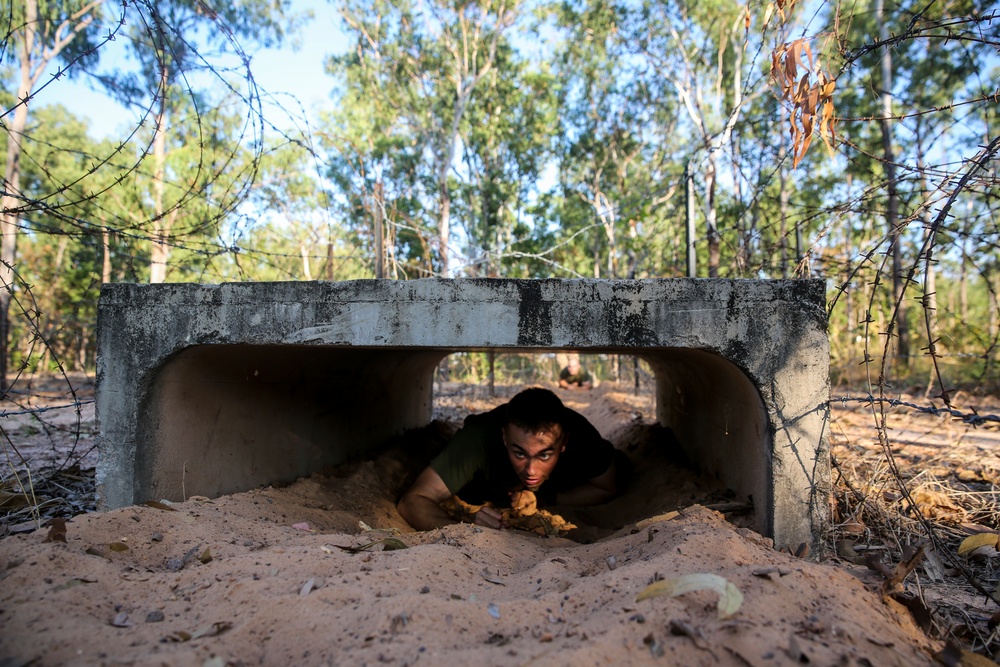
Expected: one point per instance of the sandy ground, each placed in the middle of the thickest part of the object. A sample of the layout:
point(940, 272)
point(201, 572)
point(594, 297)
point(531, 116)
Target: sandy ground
point(325, 572)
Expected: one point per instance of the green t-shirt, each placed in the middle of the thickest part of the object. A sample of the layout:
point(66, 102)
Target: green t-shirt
point(474, 464)
point(580, 377)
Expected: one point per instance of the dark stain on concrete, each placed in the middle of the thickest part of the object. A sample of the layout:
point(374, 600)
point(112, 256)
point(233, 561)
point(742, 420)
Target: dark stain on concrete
point(534, 326)
point(630, 328)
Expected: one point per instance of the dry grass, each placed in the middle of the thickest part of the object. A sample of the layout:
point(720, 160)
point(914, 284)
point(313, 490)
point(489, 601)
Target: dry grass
point(906, 477)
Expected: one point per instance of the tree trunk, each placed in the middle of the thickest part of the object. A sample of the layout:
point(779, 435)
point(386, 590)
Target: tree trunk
point(712, 232)
point(930, 282)
point(892, 207)
point(160, 251)
point(106, 266)
point(444, 223)
point(379, 236)
point(12, 186)
point(783, 198)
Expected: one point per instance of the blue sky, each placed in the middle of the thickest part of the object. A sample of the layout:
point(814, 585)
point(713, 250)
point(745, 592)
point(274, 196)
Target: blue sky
point(277, 71)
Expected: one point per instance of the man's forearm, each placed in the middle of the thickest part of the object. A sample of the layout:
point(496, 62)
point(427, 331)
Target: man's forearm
point(423, 513)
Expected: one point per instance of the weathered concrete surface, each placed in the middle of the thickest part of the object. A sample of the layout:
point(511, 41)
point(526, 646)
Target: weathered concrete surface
point(213, 389)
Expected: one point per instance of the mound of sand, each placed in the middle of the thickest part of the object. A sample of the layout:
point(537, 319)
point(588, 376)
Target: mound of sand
point(324, 572)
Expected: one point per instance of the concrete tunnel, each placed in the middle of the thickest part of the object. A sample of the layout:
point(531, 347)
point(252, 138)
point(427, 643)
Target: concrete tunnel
point(209, 390)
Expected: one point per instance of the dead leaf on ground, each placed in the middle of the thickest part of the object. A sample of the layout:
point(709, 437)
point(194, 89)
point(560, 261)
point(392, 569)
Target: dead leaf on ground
point(936, 504)
point(730, 597)
point(894, 577)
point(119, 547)
point(953, 655)
point(307, 587)
point(13, 499)
point(176, 564)
point(490, 577)
point(213, 630)
point(934, 567)
point(685, 629)
point(57, 531)
point(206, 556)
point(659, 518)
point(74, 582)
point(976, 541)
point(160, 506)
point(388, 544)
point(845, 549)
point(771, 573)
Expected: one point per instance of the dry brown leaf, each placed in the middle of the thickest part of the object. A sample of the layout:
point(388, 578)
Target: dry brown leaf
point(768, 13)
point(57, 531)
point(13, 500)
point(955, 656)
point(912, 555)
point(160, 506)
point(685, 629)
point(845, 549)
point(973, 542)
point(74, 582)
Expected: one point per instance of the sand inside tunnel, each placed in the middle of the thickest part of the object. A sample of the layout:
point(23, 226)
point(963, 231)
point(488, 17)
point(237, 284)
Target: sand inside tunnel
point(661, 481)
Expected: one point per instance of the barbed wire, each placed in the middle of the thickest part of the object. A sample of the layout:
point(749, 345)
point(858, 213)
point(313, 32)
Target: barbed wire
point(973, 418)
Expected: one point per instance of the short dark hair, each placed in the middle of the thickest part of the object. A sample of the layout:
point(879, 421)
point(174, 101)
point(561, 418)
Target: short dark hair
point(535, 410)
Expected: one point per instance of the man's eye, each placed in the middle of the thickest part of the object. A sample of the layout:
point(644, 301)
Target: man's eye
point(518, 455)
point(544, 457)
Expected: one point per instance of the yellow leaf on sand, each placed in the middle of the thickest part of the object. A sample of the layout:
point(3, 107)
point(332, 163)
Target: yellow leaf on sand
point(973, 542)
point(730, 597)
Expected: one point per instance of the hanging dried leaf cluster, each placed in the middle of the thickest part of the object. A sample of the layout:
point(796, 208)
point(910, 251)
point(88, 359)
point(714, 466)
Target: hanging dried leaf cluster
point(807, 91)
point(783, 7)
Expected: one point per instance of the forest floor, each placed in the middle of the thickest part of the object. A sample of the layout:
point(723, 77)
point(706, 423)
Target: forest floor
point(323, 571)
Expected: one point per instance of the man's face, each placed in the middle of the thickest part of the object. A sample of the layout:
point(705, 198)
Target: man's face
point(533, 455)
point(573, 367)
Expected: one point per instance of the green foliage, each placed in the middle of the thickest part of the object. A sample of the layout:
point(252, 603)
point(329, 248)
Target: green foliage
point(539, 139)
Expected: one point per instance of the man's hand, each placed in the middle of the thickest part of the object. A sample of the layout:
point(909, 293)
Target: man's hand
point(420, 506)
point(489, 517)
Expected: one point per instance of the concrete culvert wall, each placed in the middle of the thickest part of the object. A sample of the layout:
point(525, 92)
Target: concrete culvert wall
point(206, 390)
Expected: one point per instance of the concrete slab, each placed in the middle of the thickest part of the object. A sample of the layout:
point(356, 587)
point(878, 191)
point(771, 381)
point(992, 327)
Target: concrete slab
point(212, 389)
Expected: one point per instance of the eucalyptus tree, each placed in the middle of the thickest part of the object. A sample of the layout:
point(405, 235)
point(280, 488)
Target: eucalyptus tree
point(292, 228)
point(704, 53)
point(60, 254)
point(418, 68)
point(511, 123)
point(616, 144)
point(909, 85)
point(168, 40)
point(62, 33)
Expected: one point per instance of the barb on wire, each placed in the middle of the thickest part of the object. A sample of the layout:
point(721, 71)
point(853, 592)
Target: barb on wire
point(973, 418)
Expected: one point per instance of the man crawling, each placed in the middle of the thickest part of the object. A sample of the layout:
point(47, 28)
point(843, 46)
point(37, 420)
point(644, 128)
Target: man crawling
point(530, 452)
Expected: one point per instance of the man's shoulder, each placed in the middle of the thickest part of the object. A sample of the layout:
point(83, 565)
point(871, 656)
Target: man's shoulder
point(496, 416)
point(581, 429)
point(572, 418)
